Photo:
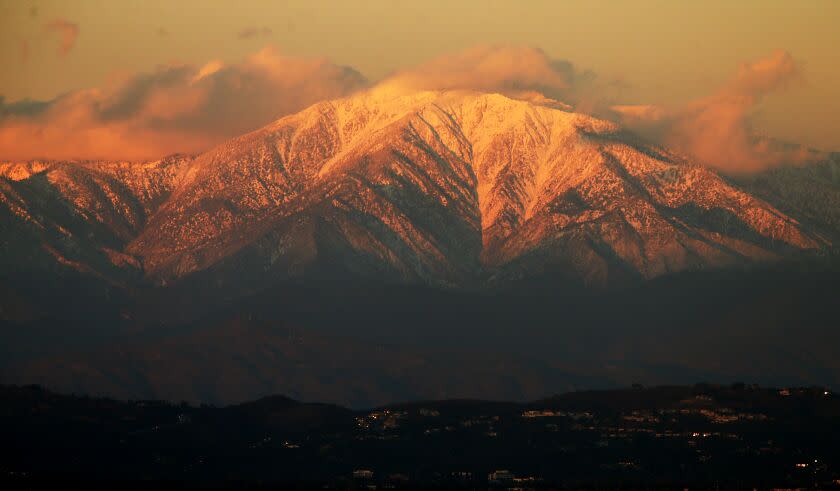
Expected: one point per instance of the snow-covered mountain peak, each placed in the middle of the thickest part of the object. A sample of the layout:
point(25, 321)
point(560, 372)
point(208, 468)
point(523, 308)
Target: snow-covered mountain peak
point(450, 187)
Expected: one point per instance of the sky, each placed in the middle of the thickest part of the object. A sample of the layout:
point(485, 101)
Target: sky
point(684, 57)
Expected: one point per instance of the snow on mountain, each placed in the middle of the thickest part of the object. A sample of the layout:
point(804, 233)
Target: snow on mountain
point(440, 187)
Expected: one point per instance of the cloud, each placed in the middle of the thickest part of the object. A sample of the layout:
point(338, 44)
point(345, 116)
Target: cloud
point(717, 130)
point(186, 108)
point(26, 107)
point(253, 32)
point(177, 108)
point(68, 31)
point(517, 71)
point(486, 68)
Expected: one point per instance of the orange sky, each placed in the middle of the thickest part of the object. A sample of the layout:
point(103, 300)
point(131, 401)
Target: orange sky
point(644, 52)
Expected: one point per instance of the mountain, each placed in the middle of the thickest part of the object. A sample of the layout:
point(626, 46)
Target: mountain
point(809, 192)
point(80, 215)
point(446, 188)
point(394, 245)
point(363, 344)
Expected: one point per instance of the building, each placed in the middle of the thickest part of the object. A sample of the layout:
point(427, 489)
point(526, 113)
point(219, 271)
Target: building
point(502, 475)
point(362, 474)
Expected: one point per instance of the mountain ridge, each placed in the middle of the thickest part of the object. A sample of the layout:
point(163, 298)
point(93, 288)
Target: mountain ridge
point(438, 187)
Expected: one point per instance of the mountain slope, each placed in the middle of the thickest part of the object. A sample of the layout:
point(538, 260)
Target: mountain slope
point(450, 187)
point(79, 214)
point(811, 193)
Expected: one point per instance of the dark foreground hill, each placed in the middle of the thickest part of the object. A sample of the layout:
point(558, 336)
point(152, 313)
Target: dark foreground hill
point(363, 344)
point(703, 435)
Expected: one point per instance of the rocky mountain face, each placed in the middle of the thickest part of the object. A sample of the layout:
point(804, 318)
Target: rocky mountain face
point(436, 188)
point(79, 216)
point(809, 192)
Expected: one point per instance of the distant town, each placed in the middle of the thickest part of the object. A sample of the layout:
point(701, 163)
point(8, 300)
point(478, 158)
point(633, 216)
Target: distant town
point(662, 437)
